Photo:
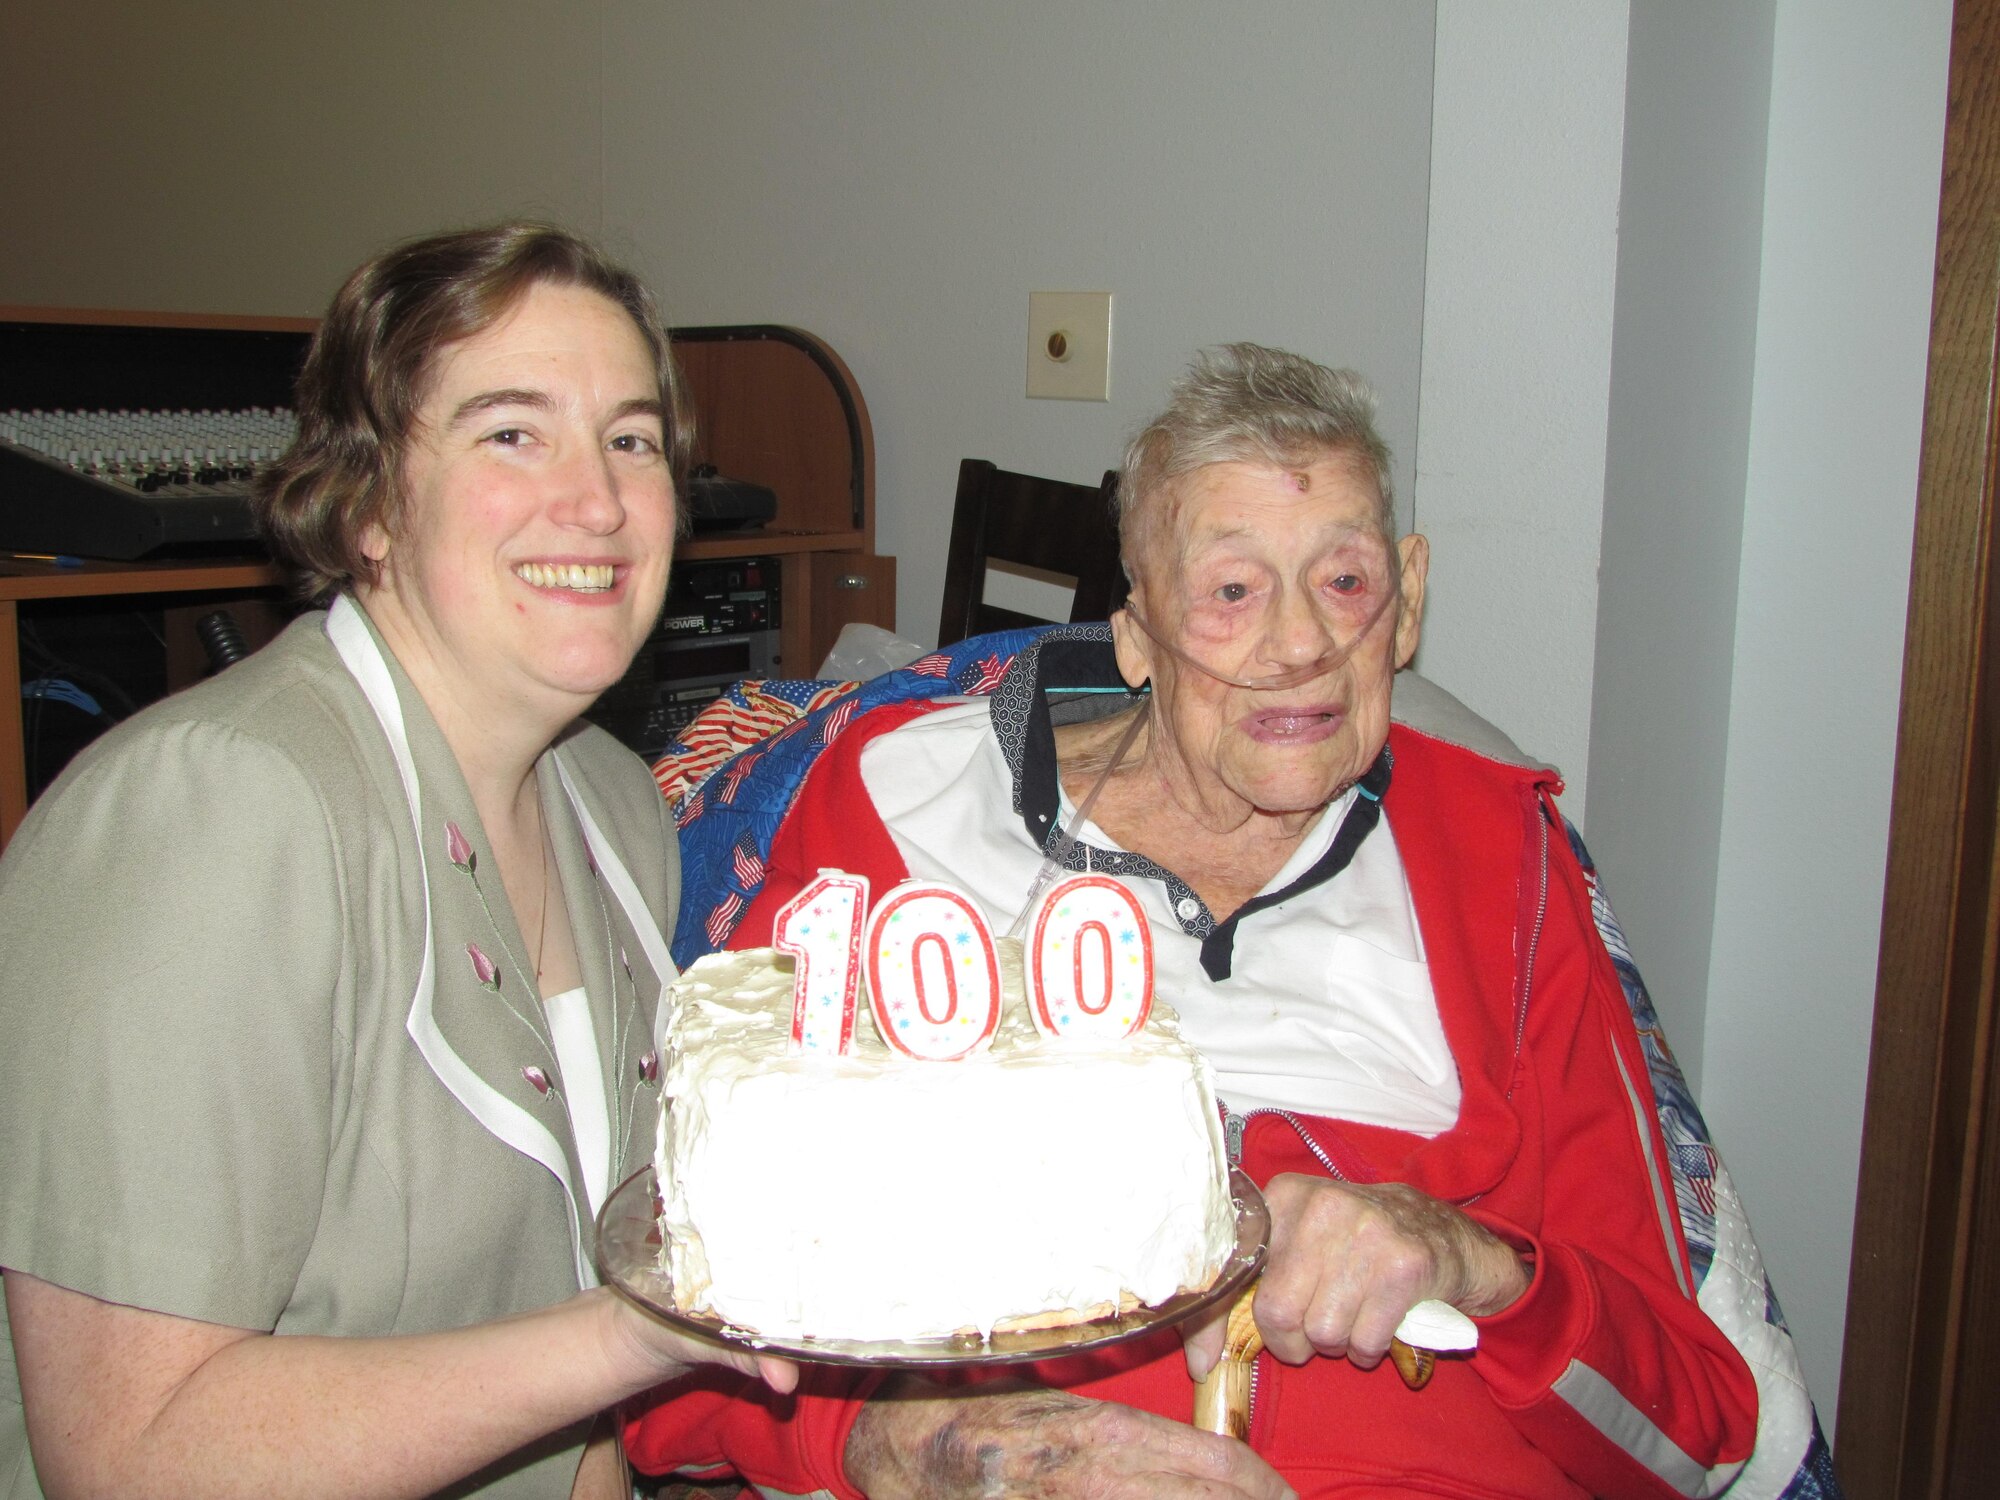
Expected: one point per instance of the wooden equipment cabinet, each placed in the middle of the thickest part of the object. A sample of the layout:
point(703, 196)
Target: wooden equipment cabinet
point(779, 407)
point(772, 405)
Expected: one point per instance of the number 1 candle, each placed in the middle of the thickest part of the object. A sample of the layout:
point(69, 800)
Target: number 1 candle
point(821, 928)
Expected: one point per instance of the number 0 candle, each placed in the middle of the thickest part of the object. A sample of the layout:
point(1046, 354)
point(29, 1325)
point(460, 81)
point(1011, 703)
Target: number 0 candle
point(933, 979)
point(1090, 961)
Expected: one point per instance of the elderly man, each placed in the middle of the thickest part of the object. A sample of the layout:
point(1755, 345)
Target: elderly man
point(1384, 945)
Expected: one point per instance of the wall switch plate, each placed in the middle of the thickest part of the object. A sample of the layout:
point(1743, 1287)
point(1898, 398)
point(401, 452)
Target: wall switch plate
point(1069, 345)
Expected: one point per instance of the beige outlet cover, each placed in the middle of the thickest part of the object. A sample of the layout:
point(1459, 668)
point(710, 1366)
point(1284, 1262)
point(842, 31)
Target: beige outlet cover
point(1079, 366)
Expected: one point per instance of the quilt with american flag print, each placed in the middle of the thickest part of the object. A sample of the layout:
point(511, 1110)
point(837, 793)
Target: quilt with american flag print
point(732, 774)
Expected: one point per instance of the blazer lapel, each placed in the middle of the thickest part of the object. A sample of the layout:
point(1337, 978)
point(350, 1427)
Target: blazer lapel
point(617, 959)
point(485, 1008)
point(474, 1015)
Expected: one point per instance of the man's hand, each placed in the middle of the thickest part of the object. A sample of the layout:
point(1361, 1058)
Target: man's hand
point(1347, 1261)
point(918, 1441)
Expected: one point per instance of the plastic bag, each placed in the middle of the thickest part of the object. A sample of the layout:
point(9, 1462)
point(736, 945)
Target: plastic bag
point(865, 651)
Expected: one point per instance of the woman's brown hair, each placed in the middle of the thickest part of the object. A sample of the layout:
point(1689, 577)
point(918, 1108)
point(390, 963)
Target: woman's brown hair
point(370, 367)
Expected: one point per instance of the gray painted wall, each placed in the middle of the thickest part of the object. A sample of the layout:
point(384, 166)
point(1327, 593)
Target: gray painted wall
point(1843, 312)
point(1779, 219)
point(237, 156)
point(1521, 265)
point(898, 177)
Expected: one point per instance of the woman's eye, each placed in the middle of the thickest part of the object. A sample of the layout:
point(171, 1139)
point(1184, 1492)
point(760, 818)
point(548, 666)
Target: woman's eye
point(635, 442)
point(1349, 583)
point(508, 437)
point(1233, 593)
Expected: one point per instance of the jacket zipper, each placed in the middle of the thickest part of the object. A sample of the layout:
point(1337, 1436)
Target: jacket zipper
point(1233, 1126)
point(1534, 942)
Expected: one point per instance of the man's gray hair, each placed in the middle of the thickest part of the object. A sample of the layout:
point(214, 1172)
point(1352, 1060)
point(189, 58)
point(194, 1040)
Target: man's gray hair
point(1245, 403)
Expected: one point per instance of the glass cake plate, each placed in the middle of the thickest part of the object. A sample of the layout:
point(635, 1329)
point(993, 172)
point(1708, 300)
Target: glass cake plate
point(628, 1258)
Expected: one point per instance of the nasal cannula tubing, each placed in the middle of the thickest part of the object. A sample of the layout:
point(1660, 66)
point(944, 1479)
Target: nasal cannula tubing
point(1052, 863)
point(1291, 676)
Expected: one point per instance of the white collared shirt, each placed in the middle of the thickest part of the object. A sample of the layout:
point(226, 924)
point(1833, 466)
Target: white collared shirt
point(1329, 1008)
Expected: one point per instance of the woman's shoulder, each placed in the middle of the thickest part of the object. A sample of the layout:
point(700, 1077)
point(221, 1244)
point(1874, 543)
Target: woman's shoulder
point(283, 721)
point(295, 683)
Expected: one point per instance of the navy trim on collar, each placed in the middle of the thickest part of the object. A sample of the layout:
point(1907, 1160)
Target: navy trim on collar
point(1079, 656)
point(1218, 948)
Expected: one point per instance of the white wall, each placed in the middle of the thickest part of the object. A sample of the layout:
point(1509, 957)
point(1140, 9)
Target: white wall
point(1857, 125)
point(1519, 278)
point(1747, 447)
point(1696, 113)
point(899, 176)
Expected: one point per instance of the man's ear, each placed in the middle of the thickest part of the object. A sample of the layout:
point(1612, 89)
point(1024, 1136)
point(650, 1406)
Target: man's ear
point(1415, 553)
point(1134, 649)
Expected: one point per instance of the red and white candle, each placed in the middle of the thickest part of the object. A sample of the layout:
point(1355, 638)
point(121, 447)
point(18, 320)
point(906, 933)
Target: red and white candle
point(1089, 961)
point(933, 977)
point(821, 927)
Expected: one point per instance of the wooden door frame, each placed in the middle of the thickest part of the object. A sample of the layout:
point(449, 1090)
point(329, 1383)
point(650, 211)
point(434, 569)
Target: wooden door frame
point(1928, 1080)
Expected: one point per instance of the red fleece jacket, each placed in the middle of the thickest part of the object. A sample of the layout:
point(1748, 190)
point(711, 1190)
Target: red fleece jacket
point(1605, 1378)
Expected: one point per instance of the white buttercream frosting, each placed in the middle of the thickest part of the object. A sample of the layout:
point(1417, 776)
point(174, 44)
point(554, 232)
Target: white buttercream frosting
point(876, 1196)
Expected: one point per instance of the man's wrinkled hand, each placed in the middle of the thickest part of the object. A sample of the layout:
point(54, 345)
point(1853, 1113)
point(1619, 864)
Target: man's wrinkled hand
point(918, 1442)
point(1347, 1261)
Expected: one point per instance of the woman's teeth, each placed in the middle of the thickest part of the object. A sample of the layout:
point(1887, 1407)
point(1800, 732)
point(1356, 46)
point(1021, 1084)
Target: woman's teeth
point(586, 578)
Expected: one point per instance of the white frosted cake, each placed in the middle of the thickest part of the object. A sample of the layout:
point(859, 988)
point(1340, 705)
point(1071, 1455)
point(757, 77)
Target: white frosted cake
point(878, 1196)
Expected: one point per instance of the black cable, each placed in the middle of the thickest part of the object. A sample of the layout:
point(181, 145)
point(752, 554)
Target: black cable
point(221, 639)
point(105, 689)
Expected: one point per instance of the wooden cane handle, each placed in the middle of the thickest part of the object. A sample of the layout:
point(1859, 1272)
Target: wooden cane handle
point(1222, 1397)
point(1413, 1364)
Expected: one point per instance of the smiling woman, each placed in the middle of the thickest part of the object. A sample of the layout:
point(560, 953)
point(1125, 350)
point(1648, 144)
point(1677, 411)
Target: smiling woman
point(529, 556)
point(359, 1018)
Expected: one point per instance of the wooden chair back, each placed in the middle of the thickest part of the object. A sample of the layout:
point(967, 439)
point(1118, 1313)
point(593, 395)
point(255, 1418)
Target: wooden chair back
point(1040, 526)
